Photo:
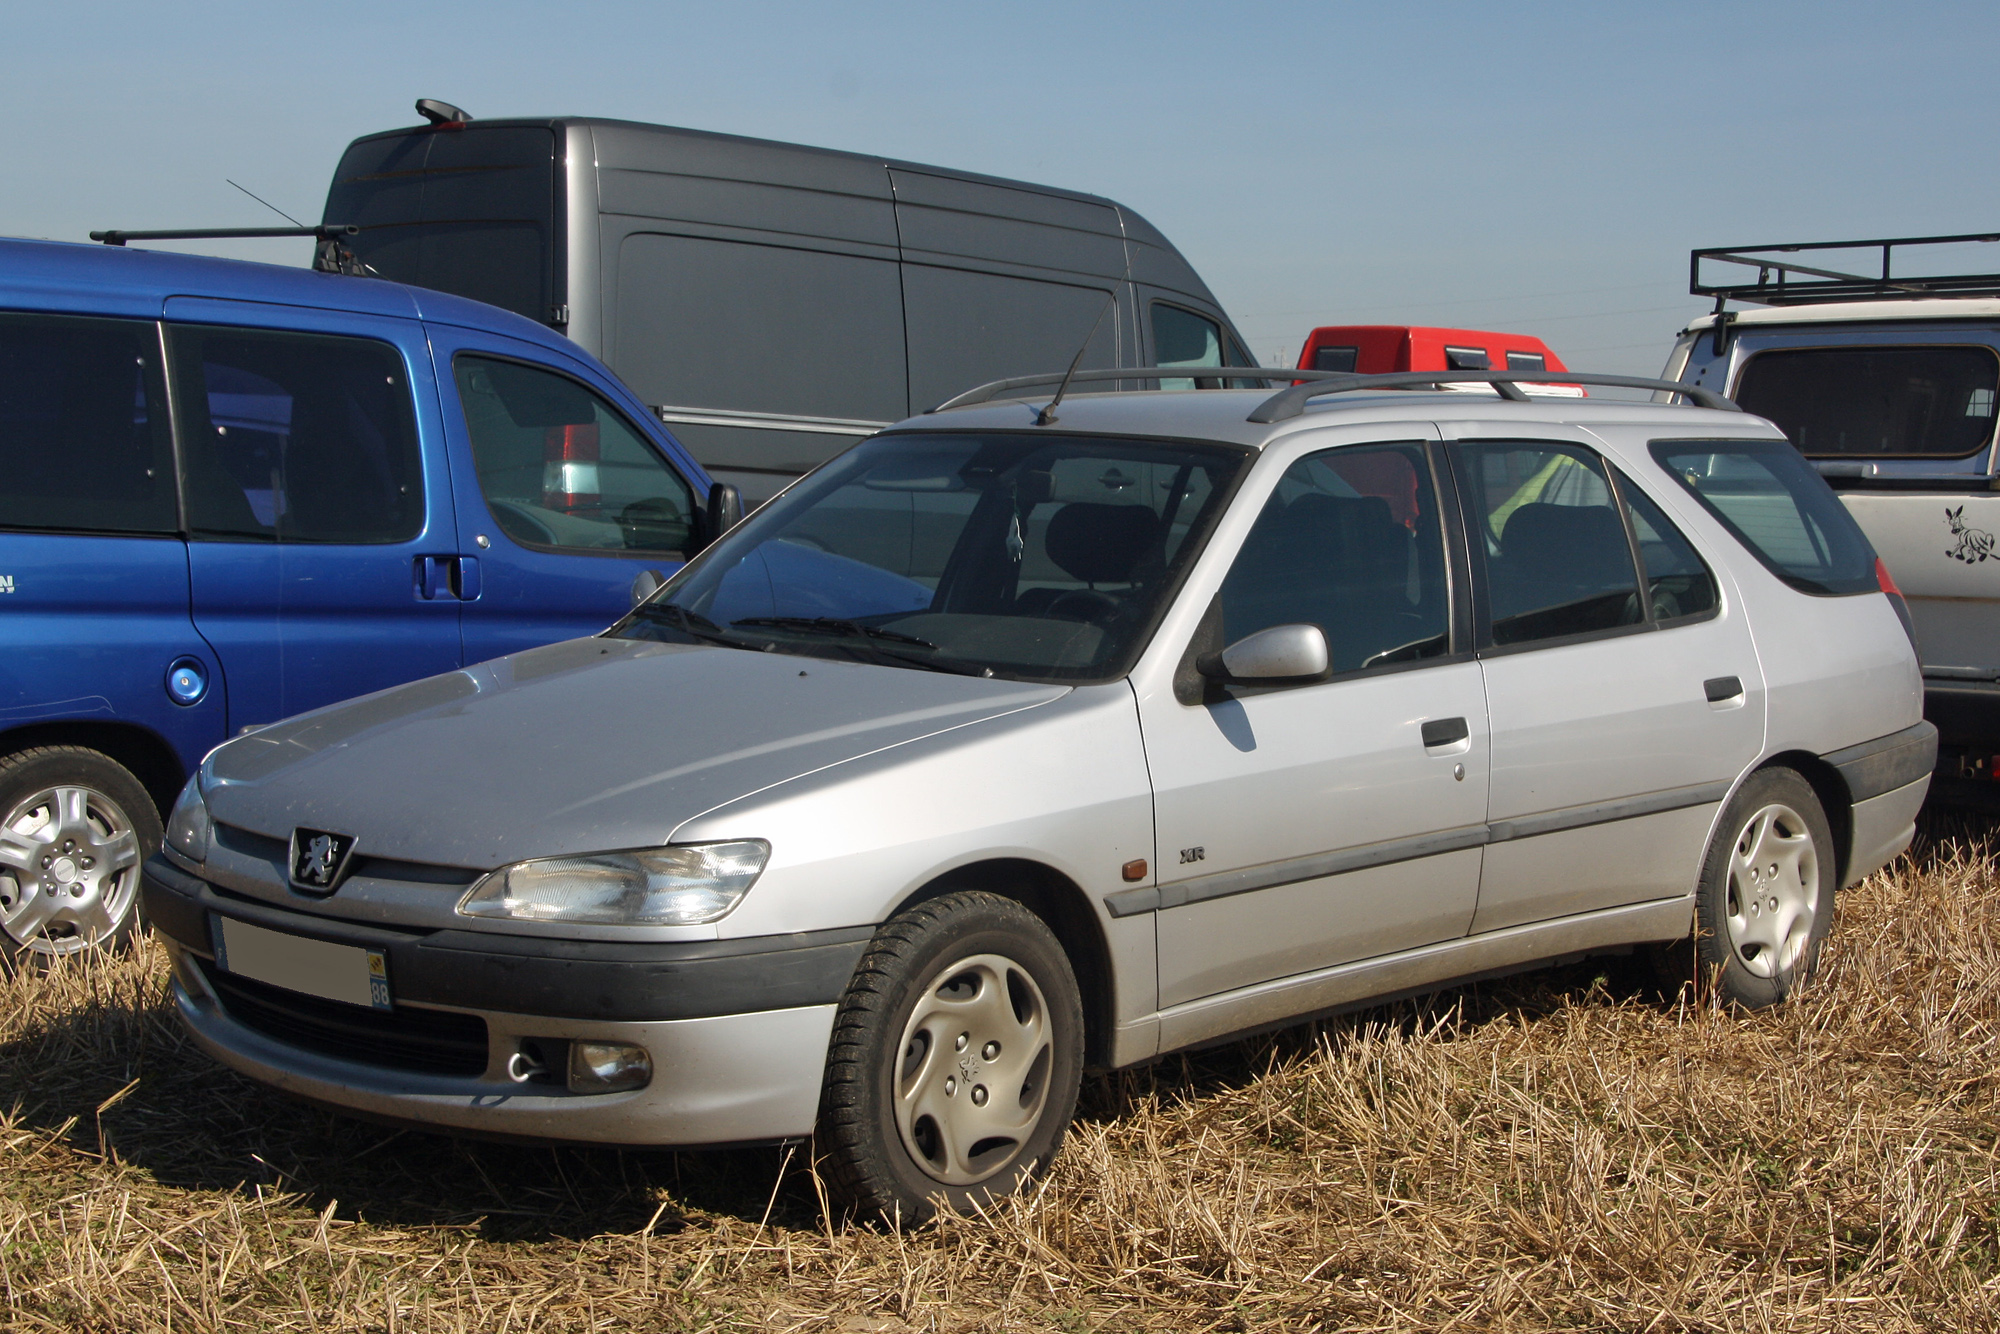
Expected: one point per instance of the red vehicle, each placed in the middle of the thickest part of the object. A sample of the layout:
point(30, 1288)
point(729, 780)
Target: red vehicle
point(1374, 349)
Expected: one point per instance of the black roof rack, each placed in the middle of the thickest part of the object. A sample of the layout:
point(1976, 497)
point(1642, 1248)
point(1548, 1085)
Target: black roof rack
point(1787, 282)
point(330, 256)
point(1291, 401)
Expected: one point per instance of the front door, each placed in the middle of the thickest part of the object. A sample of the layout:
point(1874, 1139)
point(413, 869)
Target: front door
point(312, 512)
point(563, 499)
point(1625, 695)
point(1307, 826)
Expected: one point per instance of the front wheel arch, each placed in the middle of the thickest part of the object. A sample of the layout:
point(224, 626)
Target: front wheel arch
point(1067, 911)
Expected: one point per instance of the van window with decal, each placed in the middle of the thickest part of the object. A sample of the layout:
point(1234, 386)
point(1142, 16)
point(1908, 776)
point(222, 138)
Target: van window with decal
point(84, 442)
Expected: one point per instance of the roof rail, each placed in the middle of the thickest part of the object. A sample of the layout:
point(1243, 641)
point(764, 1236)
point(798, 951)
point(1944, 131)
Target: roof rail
point(1288, 403)
point(999, 388)
point(329, 256)
point(1775, 285)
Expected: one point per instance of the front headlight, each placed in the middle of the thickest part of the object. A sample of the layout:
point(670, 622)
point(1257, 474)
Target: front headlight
point(674, 886)
point(188, 827)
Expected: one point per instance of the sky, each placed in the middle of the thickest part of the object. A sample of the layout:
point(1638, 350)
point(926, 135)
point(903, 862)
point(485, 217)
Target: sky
point(1536, 168)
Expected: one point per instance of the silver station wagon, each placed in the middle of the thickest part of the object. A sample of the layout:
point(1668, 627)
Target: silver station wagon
point(1022, 740)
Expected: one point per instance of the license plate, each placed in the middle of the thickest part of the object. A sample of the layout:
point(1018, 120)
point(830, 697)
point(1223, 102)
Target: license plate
point(320, 968)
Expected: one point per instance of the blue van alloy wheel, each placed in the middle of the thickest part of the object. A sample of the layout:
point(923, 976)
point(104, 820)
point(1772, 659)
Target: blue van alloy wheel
point(74, 827)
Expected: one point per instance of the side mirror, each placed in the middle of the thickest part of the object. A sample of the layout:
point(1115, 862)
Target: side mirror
point(647, 583)
point(725, 511)
point(1281, 655)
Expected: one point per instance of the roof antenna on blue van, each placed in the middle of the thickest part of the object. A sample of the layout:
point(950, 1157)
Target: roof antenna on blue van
point(1048, 414)
point(267, 204)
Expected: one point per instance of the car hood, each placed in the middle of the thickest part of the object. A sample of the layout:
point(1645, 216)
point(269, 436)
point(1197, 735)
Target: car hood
point(582, 746)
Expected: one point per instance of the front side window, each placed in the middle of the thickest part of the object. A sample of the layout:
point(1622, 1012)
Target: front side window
point(296, 437)
point(1558, 562)
point(1349, 541)
point(1772, 501)
point(84, 444)
point(561, 470)
point(1039, 557)
point(1885, 402)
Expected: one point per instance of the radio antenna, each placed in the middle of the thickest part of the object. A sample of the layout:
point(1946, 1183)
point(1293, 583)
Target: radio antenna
point(1048, 414)
point(267, 204)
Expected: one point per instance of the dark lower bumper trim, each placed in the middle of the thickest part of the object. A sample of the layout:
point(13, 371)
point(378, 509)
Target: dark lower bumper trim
point(1887, 762)
point(560, 979)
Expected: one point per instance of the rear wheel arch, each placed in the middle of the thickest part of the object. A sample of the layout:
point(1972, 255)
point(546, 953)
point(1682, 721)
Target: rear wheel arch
point(1066, 910)
point(1834, 800)
point(144, 753)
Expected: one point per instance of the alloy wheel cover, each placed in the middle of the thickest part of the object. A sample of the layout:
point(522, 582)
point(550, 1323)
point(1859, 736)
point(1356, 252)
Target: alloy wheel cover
point(69, 860)
point(1772, 891)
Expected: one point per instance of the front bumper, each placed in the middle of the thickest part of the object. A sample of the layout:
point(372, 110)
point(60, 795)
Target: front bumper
point(737, 1030)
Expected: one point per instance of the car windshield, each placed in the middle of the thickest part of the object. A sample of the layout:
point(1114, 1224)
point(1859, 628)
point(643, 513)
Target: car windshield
point(1034, 557)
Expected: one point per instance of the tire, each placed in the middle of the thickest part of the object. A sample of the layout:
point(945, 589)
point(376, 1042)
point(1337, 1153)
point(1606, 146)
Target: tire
point(1765, 900)
point(956, 1057)
point(75, 825)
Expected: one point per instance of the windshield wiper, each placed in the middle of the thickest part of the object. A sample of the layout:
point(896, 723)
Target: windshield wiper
point(882, 647)
point(834, 625)
point(687, 622)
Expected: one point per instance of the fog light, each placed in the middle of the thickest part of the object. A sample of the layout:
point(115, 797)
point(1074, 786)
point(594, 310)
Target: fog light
point(608, 1067)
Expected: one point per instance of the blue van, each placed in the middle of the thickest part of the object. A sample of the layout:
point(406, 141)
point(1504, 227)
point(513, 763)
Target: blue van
point(233, 492)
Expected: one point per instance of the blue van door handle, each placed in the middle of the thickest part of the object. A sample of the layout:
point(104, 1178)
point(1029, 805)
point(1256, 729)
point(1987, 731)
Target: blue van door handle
point(447, 576)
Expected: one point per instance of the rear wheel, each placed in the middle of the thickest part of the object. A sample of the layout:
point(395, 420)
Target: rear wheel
point(1765, 901)
point(74, 827)
point(955, 1061)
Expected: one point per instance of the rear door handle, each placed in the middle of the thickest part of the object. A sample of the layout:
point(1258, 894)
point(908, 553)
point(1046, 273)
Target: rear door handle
point(1721, 688)
point(1445, 732)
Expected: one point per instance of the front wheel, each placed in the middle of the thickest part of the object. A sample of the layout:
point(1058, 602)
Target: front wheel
point(74, 827)
point(955, 1062)
point(1765, 901)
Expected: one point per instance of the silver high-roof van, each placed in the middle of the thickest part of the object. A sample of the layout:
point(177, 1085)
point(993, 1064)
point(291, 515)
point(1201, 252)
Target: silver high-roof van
point(694, 264)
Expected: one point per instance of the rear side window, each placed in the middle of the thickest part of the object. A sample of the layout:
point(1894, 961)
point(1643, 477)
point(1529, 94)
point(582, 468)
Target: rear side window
point(562, 471)
point(1772, 501)
point(1678, 581)
point(84, 444)
point(296, 437)
point(1884, 402)
point(1558, 562)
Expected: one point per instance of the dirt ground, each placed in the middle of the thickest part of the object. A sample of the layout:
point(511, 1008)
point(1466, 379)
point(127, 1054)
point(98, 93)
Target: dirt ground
point(1565, 1150)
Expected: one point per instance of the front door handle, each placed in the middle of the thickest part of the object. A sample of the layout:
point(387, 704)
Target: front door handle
point(1439, 732)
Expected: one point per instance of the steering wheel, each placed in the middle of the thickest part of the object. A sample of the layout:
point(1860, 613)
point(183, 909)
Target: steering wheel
point(1084, 604)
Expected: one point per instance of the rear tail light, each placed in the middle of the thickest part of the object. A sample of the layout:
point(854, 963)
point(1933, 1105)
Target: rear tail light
point(1895, 596)
point(1882, 578)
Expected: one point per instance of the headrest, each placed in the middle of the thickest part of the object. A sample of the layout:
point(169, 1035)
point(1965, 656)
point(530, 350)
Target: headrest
point(1583, 539)
point(1101, 544)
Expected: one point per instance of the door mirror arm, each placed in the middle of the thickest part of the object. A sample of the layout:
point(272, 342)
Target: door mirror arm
point(1281, 655)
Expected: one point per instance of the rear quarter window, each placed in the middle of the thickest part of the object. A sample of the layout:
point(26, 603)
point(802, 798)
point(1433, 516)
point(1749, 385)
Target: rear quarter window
point(1772, 501)
point(1879, 402)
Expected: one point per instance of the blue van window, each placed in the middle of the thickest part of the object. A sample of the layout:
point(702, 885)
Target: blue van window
point(84, 444)
point(296, 437)
point(562, 471)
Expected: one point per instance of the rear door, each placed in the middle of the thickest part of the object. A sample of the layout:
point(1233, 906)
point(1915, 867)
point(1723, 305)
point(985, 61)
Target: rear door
point(1623, 705)
point(93, 572)
point(318, 509)
point(563, 496)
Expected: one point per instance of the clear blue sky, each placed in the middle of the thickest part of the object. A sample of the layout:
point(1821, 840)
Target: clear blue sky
point(1537, 167)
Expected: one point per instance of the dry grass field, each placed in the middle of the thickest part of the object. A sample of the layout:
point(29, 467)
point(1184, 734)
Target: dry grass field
point(1562, 1150)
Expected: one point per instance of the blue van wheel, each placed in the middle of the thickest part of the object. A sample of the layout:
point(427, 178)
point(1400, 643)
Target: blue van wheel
point(75, 825)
